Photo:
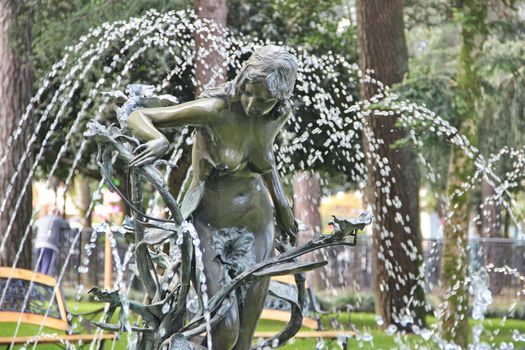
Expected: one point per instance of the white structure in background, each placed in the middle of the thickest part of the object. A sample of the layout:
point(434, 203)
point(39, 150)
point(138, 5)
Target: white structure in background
point(431, 225)
point(46, 198)
point(350, 204)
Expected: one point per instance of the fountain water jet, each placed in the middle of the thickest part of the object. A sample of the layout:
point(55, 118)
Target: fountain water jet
point(336, 106)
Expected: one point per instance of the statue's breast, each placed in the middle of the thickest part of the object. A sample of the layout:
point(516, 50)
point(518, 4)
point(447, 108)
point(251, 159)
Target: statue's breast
point(226, 149)
point(236, 142)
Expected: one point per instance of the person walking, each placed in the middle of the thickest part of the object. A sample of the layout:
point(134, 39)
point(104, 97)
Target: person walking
point(49, 231)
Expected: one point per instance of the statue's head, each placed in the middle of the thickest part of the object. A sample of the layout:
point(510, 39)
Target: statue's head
point(266, 79)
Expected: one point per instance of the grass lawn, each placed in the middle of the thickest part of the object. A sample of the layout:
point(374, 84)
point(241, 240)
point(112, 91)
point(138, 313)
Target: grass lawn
point(364, 323)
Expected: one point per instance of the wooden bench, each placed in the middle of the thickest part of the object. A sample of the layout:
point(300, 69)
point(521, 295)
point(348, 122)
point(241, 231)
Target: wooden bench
point(38, 303)
point(308, 322)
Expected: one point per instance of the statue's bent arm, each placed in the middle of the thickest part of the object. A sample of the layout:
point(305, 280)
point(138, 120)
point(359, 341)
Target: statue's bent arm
point(144, 122)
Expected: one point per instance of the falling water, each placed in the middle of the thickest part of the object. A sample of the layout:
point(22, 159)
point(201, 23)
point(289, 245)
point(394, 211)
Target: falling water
point(319, 89)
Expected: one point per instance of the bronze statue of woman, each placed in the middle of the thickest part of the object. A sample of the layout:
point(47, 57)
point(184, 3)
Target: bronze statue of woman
point(236, 125)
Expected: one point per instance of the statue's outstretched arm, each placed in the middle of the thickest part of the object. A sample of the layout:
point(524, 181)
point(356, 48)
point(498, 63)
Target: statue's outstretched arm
point(144, 124)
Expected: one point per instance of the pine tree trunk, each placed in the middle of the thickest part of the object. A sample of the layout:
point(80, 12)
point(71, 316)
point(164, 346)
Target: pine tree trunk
point(454, 319)
point(454, 315)
point(16, 82)
point(396, 237)
point(209, 69)
point(178, 175)
point(306, 201)
point(495, 251)
point(84, 194)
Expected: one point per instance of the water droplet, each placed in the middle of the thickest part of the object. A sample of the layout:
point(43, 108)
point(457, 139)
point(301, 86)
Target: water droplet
point(391, 330)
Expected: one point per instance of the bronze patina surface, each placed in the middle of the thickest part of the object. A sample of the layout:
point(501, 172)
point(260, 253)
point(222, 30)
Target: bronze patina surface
point(236, 126)
point(234, 228)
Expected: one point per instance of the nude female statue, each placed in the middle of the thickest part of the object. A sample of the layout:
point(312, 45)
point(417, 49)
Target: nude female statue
point(236, 125)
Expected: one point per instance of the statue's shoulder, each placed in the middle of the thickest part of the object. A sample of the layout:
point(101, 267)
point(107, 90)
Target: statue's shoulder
point(215, 104)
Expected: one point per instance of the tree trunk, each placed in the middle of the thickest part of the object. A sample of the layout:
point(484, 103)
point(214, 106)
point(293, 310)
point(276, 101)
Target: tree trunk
point(454, 315)
point(397, 256)
point(495, 250)
point(490, 211)
point(306, 201)
point(454, 319)
point(16, 82)
point(209, 70)
point(178, 175)
point(84, 196)
point(209, 49)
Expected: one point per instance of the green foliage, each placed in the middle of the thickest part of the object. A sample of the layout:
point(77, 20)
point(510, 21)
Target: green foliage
point(61, 24)
point(353, 302)
point(434, 40)
point(430, 13)
point(430, 82)
point(58, 24)
point(502, 121)
point(318, 26)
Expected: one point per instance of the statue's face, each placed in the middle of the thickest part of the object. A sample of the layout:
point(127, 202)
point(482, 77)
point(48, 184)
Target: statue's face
point(256, 99)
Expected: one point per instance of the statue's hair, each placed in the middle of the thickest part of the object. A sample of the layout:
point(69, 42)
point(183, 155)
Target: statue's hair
point(271, 64)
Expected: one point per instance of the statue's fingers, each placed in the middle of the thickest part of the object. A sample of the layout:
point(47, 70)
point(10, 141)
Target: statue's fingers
point(150, 160)
point(146, 161)
point(135, 159)
point(147, 158)
point(140, 148)
point(136, 163)
point(292, 237)
point(138, 158)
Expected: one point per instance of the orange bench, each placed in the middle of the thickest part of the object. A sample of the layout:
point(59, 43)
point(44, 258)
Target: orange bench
point(10, 311)
point(308, 322)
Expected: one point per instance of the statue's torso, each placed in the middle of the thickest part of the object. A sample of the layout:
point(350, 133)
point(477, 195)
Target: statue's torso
point(230, 156)
point(235, 142)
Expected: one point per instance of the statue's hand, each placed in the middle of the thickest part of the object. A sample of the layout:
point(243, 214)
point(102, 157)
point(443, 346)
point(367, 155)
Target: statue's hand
point(289, 228)
point(149, 152)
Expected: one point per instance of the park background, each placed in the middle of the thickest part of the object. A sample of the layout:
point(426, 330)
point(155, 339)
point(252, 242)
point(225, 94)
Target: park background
point(463, 60)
